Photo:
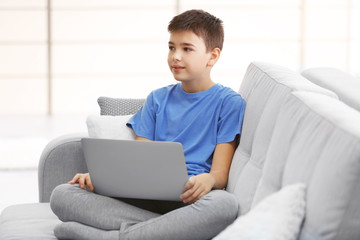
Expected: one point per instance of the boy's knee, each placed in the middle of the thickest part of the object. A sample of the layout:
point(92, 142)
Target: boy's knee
point(59, 197)
point(61, 191)
point(222, 198)
point(223, 204)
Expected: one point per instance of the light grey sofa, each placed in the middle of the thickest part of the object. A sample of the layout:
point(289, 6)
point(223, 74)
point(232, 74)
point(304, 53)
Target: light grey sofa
point(293, 131)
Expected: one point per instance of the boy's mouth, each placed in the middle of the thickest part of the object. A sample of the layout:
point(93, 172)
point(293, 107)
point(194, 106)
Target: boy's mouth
point(177, 68)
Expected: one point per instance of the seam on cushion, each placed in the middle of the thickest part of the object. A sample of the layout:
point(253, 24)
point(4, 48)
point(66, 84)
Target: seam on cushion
point(256, 164)
point(248, 162)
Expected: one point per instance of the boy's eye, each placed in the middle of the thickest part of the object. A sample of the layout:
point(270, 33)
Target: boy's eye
point(171, 48)
point(187, 49)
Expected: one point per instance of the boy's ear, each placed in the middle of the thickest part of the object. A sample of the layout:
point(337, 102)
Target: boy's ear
point(215, 54)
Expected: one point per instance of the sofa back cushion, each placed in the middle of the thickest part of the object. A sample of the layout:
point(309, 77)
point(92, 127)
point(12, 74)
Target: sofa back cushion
point(346, 86)
point(264, 88)
point(316, 141)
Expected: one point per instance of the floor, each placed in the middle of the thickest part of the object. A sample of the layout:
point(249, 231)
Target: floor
point(22, 139)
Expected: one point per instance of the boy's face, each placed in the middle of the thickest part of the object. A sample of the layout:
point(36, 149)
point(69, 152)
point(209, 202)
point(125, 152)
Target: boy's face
point(188, 59)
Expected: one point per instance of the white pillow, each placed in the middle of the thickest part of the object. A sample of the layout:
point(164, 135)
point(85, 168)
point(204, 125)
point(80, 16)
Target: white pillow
point(278, 216)
point(112, 127)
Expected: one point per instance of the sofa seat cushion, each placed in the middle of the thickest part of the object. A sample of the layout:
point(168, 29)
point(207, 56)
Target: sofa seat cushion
point(28, 221)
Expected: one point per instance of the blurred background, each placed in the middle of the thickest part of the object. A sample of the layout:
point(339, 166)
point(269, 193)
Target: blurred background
point(58, 56)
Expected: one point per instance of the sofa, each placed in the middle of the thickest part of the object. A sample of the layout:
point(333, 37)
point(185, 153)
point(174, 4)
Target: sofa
point(296, 129)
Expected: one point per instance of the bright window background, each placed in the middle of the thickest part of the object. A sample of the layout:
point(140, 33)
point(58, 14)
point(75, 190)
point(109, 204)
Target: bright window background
point(118, 48)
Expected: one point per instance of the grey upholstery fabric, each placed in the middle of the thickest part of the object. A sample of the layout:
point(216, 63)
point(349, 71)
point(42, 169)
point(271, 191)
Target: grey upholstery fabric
point(346, 86)
point(61, 159)
point(316, 140)
point(264, 88)
point(34, 221)
point(119, 106)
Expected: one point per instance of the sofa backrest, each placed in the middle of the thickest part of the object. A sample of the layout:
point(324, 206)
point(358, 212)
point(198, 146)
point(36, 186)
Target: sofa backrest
point(346, 86)
point(316, 140)
point(265, 88)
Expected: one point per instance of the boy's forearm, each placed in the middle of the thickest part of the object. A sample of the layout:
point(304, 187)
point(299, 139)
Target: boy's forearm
point(220, 168)
point(220, 177)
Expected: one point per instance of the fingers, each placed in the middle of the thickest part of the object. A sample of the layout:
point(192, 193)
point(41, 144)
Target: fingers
point(190, 183)
point(83, 179)
point(193, 191)
point(197, 187)
point(88, 182)
point(190, 196)
point(75, 179)
point(193, 194)
point(188, 190)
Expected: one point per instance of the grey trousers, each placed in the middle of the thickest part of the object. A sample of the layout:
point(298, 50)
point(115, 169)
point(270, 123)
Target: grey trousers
point(87, 215)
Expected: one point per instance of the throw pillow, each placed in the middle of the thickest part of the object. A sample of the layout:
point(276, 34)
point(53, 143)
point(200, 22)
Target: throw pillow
point(119, 106)
point(111, 127)
point(278, 216)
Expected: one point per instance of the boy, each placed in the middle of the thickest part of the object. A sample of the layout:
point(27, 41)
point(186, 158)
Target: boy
point(205, 117)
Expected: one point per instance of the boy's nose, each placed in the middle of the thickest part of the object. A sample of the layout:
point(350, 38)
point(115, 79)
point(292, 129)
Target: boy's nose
point(177, 56)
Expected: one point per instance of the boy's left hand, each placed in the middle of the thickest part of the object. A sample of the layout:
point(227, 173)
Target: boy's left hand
point(196, 187)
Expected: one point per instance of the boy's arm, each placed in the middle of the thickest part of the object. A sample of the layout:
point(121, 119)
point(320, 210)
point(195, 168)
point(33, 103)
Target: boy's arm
point(199, 185)
point(220, 167)
point(141, 138)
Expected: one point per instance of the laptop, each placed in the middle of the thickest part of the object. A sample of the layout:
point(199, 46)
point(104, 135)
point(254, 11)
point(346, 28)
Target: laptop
point(136, 169)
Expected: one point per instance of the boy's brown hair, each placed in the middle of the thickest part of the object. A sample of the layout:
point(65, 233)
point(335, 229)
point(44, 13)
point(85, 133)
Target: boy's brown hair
point(203, 24)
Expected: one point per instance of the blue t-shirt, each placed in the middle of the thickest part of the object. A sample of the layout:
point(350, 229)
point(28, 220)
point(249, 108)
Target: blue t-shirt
point(199, 121)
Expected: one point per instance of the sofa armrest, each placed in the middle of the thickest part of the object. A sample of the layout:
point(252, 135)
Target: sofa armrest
point(61, 159)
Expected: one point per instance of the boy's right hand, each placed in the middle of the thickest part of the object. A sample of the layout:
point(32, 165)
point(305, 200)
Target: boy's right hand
point(83, 179)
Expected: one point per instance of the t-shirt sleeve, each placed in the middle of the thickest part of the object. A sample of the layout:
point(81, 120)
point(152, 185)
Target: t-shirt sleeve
point(231, 119)
point(143, 122)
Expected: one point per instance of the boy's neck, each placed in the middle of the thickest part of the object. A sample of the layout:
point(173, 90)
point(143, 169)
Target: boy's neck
point(194, 87)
